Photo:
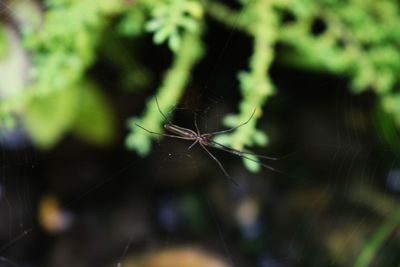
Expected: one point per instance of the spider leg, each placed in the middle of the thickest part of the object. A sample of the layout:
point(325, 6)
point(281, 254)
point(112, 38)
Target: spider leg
point(195, 124)
point(225, 148)
point(243, 153)
point(159, 109)
point(194, 143)
point(234, 128)
point(167, 135)
point(272, 168)
point(219, 163)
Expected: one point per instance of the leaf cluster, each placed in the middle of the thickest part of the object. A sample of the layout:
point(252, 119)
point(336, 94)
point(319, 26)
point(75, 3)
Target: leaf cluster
point(355, 39)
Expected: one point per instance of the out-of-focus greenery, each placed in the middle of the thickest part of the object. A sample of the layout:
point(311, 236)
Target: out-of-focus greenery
point(64, 45)
point(378, 238)
point(356, 39)
point(256, 77)
point(171, 18)
point(86, 113)
point(49, 92)
point(389, 209)
point(46, 119)
point(169, 93)
point(179, 23)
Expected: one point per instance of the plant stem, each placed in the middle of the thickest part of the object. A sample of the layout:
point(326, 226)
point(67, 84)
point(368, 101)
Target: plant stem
point(376, 241)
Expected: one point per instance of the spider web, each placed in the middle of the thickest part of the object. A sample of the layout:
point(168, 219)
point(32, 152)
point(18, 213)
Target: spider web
point(121, 205)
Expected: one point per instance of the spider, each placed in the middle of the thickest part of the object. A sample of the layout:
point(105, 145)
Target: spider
point(206, 140)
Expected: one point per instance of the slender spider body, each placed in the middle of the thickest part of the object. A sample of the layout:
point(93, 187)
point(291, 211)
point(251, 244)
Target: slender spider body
point(203, 139)
point(206, 140)
point(180, 131)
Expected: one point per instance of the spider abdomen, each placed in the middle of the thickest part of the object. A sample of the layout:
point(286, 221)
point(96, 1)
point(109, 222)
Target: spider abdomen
point(187, 133)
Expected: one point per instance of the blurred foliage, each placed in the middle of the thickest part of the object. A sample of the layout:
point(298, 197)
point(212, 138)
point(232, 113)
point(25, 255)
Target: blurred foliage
point(46, 119)
point(377, 240)
point(169, 93)
point(61, 54)
point(357, 39)
point(133, 75)
point(171, 18)
point(95, 121)
point(389, 209)
point(86, 113)
point(44, 67)
point(133, 21)
point(256, 77)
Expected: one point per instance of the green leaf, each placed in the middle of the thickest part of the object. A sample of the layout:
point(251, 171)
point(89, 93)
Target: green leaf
point(154, 25)
point(260, 138)
point(46, 119)
point(377, 240)
point(231, 120)
point(251, 163)
point(139, 142)
point(174, 42)
point(189, 24)
point(95, 121)
point(161, 35)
